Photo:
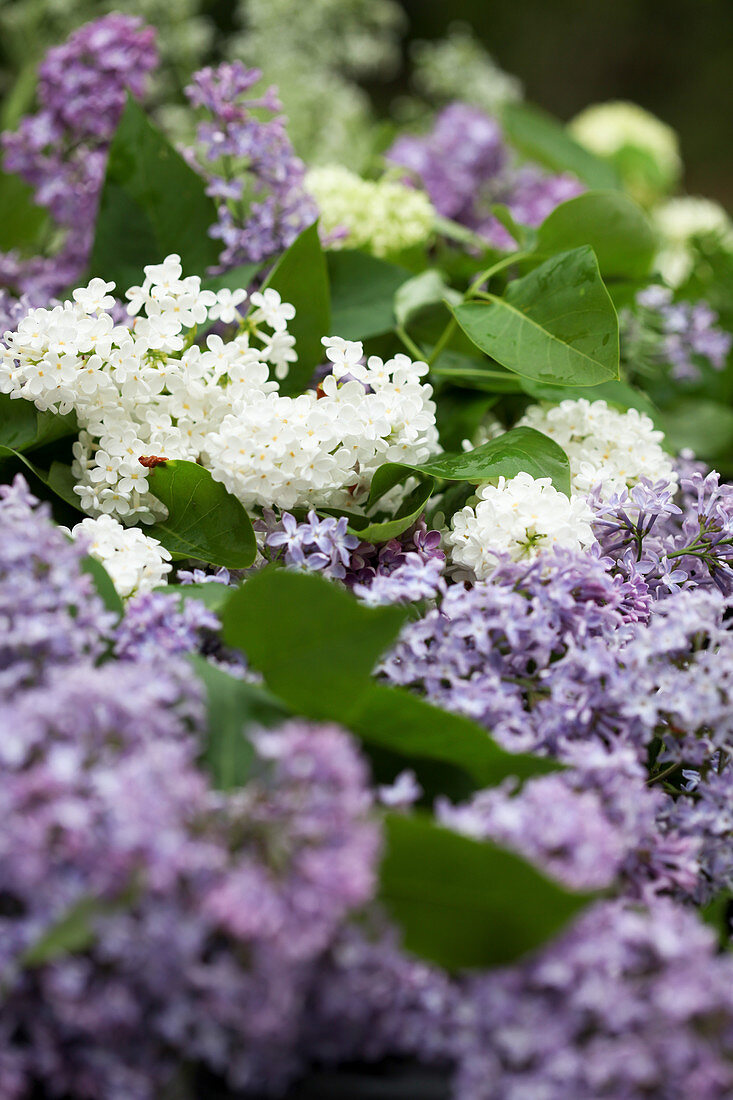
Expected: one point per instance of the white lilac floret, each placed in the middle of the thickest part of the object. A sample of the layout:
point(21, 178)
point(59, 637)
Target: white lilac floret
point(135, 561)
point(606, 447)
point(150, 390)
point(520, 516)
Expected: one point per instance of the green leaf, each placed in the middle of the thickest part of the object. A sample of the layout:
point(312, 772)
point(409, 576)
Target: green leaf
point(557, 324)
point(521, 234)
point(24, 428)
point(74, 931)
point(706, 427)
point(509, 454)
point(22, 223)
point(104, 585)
point(542, 138)
point(58, 479)
point(204, 520)
point(610, 222)
point(464, 903)
point(363, 291)
point(300, 277)
point(408, 513)
point(210, 593)
point(317, 655)
point(423, 290)
point(320, 645)
point(236, 279)
point(232, 707)
point(395, 719)
point(460, 412)
point(152, 205)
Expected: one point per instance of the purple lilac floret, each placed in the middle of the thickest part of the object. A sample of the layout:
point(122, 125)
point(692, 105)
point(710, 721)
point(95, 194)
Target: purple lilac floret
point(465, 167)
point(251, 169)
point(673, 545)
point(404, 569)
point(61, 150)
point(683, 336)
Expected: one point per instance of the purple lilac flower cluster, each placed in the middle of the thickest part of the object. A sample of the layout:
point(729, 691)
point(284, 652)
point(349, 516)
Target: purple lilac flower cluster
point(252, 171)
point(62, 149)
point(404, 569)
point(645, 531)
point(682, 336)
point(465, 167)
point(206, 913)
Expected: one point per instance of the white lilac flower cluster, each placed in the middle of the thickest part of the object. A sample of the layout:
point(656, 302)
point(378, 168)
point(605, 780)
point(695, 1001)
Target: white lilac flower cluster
point(606, 448)
point(135, 561)
point(383, 217)
point(645, 150)
point(520, 516)
point(150, 390)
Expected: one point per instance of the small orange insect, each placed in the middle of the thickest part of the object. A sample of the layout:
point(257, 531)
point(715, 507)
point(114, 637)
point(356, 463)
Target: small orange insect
point(151, 461)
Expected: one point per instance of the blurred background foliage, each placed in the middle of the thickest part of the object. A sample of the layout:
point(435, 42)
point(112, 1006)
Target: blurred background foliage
point(674, 57)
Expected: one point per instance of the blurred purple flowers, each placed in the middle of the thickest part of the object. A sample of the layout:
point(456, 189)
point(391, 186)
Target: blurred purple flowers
point(466, 168)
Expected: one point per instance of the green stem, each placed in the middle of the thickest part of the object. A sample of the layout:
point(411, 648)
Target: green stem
point(449, 329)
point(409, 343)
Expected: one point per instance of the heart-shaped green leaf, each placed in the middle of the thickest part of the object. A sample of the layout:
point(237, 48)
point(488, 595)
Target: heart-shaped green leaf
point(615, 227)
point(521, 449)
point(557, 324)
point(204, 520)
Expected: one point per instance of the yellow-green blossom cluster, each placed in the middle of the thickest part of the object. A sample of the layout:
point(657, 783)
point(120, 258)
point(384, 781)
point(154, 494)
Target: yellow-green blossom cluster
point(383, 217)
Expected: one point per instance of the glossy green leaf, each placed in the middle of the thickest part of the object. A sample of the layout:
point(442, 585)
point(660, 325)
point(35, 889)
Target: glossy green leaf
point(204, 520)
point(460, 412)
point(408, 513)
point(22, 223)
point(465, 903)
point(507, 455)
point(233, 706)
point(557, 324)
point(615, 227)
point(363, 291)
point(300, 277)
point(542, 138)
point(320, 645)
point(152, 205)
point(24, 428)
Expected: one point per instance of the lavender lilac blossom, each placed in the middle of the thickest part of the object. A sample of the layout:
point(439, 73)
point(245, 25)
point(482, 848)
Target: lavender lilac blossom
point(465, 167)
point(207, 912)
point(61, 151)
point(683, 336)
point(252, 171)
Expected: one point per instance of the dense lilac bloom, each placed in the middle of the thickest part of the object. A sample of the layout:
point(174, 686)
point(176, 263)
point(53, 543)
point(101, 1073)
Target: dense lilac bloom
point(207, 911)
point(252, 171)
point(680, 335)
point(628, 1003)
point(155, 623)
point(485, 651)
point(690, 544)
point(465, 167)
point(62, 149)
point(318, 545)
